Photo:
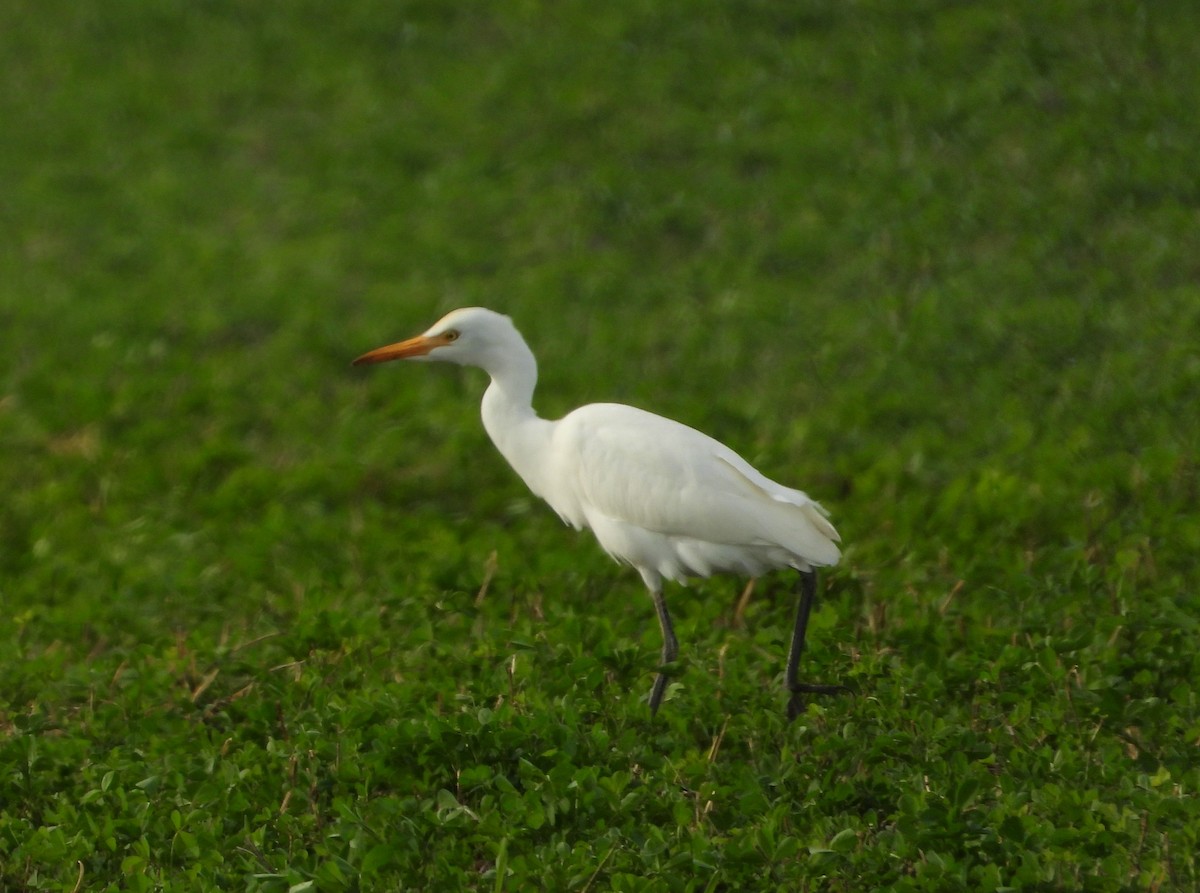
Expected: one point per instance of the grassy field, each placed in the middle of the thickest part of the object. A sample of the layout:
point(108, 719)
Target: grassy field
point(271, 623)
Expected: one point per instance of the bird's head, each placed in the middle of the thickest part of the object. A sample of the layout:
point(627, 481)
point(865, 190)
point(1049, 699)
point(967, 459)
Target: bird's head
point(469, 337)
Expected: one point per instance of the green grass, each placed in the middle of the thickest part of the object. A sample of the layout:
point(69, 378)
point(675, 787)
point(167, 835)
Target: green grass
point(270, 623)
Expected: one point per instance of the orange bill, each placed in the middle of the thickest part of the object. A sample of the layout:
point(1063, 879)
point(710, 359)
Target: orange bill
point(402, 350)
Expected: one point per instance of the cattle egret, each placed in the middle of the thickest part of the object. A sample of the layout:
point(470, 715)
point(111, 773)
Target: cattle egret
point(658, 495)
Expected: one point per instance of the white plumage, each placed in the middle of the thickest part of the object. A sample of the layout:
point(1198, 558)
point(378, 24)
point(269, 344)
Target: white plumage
point(658, 495)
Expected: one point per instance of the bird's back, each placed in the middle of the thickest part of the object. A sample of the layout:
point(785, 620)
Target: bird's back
point(671, 500)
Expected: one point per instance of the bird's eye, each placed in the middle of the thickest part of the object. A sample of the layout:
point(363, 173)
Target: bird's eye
point(450, 335)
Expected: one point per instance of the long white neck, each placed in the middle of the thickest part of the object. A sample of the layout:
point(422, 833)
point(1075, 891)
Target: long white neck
point(508, 415)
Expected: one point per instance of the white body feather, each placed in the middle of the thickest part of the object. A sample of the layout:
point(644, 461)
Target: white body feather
point(672, 501)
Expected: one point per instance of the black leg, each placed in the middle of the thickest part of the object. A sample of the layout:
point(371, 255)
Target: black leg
point(670, 649)
point(808, 592)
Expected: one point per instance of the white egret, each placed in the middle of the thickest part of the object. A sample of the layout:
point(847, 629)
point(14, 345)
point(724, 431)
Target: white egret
point(658, 495)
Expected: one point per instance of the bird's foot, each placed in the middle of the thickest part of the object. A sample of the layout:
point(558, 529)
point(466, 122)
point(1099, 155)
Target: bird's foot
point(800, 689)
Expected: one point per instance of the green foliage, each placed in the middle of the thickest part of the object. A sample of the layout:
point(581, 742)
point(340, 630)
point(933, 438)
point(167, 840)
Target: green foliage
point(270, 623)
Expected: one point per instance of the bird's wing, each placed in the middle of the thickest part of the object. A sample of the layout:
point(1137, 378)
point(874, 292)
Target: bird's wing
point(642, 469)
